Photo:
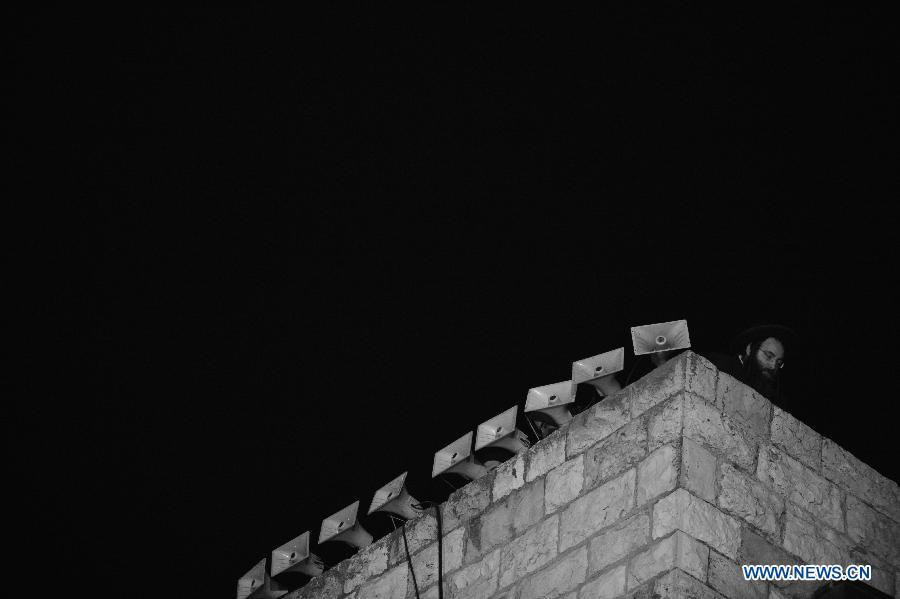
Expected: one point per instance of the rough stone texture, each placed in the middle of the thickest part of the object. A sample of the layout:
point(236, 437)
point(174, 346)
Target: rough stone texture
point(744, 406)
point(800, 485)
point(419, 533)
point(328, 585)
point(605, 586)
point(750, 500)
point(390, 585)
point(624, 538)
point(882, 573)
point(509, 476)
point(615, 454)
point(368, 562)
point(505, 520)
point(657, 386)
point(598, 422)
point(664, 423)
point(425, 562)
point(556, 579)
point(478, 581)
point(701, 378)
point(679, 585)
point(874, 531)
point(815, 543)
point(529, 552)
point(545, 455)
point(564, 483)
point(596, 510)
point(757, 550)
point(842, 467)
point(796, 439)
point(726, 577)
point(704, 424)
point(681, 510)
point(467, 502)
point(657, 473)
point(698, 470)
point(678, 550)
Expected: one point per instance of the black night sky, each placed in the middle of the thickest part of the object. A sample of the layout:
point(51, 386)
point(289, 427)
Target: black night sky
point(274, 260)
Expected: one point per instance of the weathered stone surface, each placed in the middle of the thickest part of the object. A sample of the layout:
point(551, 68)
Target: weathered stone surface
point(615, 454)
point(700, 377)
point(657, 473)
point(504, 520)
point(882, 573)
point(328, 585)
point(598, 422)
point(744, 406)
point(564, 483)
point(606, 586)
point(678, 550)
point(681, 510)
point(556, 579)
point(750, 500)
point(800, 485)
point(678, 585)
point(467, 502)
point(596, 510)
point(509, 476)
point(368, 562)
point(796, 439)
point(842, 467)
point(419, 533)
point(527, 553)
point(698, 470)
point(757, 550)
point(545, 455)
point(704, 424)
point(624, 538)
point(657, 385)
point(425, 561)
point(726, 577)
point(390, 585)
point(478, 581)
point(874, 531)
point(664, 422)
point(815, 543)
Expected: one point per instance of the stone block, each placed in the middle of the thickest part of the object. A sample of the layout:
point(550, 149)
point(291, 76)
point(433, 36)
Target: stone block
point(676, 551)
point(700, 377)
point(806, 537)
point(704, 424)
point(556, 579)
point(597, 422)
point(664, 422)
point(425, 561)
point(882, 572)
point(726, 577)
point(698, 470)
point(657, 385)
point(750, 500)
point(420, 532)
point(564, 483)
point(800, 485)
point(842, 467)
point(606, 586)
point(368, 562)
point(757, 550)
point(509, 476)
point(873, 531)
point(681, 510)
point(328, 585)
point(679, 585)
point(744, 406)
point(477, 581)
point(657, 473)
point(545, 455)
point(796, 439)
point(390, 585)
point(467, 502)
point(527, 553)
point(596, 510)
point(622, 539)
point(615, 454)
point(504, 520)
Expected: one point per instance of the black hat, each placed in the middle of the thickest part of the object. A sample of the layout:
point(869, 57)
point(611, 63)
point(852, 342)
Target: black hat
point(788, 337)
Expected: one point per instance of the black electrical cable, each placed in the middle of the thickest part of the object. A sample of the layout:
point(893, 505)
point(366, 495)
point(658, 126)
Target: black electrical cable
point(409, 561)
point(440, 542)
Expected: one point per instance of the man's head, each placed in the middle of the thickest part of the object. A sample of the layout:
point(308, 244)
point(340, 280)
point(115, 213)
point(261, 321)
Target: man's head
point(762, 351)
point(765, 357)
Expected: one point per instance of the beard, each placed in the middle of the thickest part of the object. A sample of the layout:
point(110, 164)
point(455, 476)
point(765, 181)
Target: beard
point(763, 380)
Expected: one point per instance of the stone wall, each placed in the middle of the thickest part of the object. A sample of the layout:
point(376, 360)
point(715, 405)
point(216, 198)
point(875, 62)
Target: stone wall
point(662, 490)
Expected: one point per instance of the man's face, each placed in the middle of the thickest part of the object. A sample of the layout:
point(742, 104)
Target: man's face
point(770, 357)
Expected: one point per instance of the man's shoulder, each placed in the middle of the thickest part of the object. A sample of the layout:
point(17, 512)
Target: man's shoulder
point(724, 362)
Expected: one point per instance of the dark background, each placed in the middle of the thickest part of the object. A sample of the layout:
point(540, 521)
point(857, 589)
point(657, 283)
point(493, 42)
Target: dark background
point(274, 260)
